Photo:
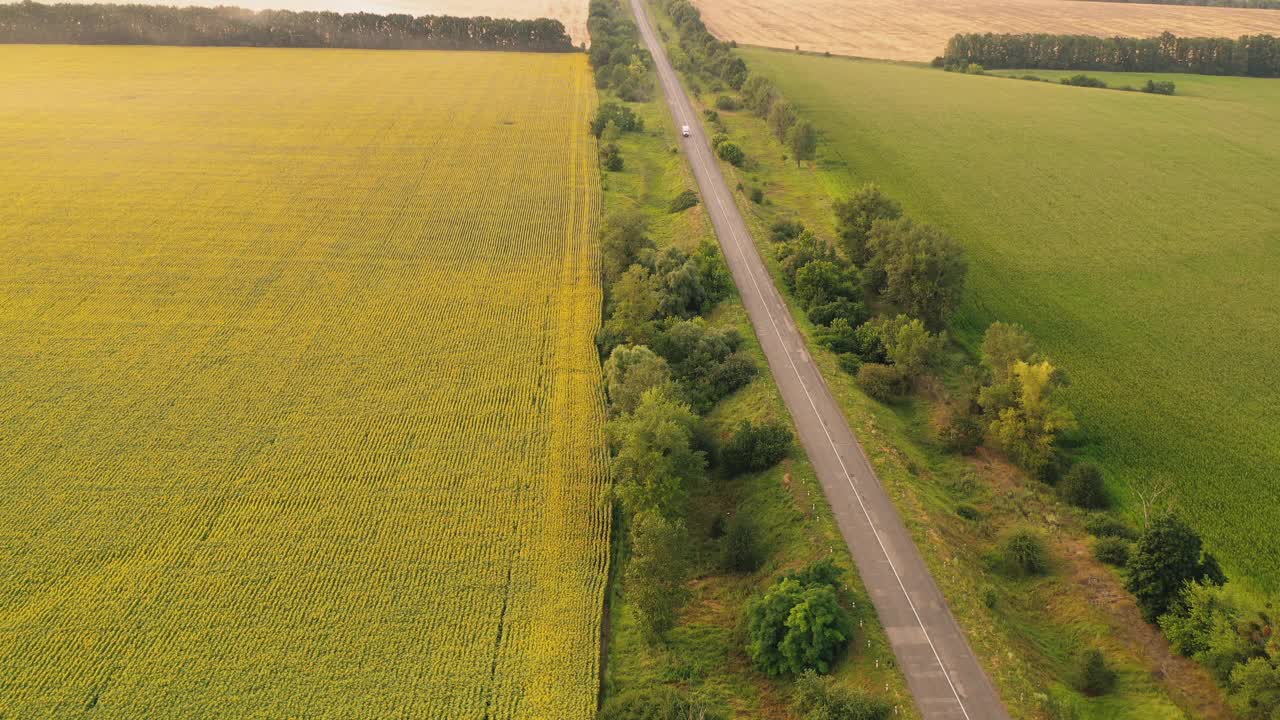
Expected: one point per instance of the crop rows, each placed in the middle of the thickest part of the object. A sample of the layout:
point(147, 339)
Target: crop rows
point(299, 398)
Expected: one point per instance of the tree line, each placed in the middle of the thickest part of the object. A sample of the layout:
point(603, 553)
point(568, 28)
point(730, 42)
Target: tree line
point(1257, 4)
point(105, 24)
point(1248, 55)
point(617, 59)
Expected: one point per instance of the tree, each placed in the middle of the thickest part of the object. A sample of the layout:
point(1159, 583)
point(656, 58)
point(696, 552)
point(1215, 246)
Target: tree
point(911, 347)
point(802, 138)
point(757, 95)
point(821, 282)
point(1093, 677)
point(635, 302)
point(781, 118)
point(856, 214)
point(1167, 555)
point(806, 248)
point(1203, 625)
point(655, 463)
point(797, 626)
point(623, 241)
point(1028, 430)
point(630, 371)
point(917, 267)
point(1083, 487)
point(622, 117)
point(1003, 345)
point(756, 447)
point(655, 575)
point(680, 277)
point(1257, 689)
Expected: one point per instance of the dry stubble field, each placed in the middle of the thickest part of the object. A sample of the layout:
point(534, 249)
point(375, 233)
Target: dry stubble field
point(919, 29)
point(299, 398)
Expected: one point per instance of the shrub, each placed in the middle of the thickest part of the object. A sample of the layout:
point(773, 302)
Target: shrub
point(656, 703)
point(683, 201)
point(730, 153)
point(1102, 525)
point(1158, 88)
point(880, 382)
point(757, 195)
point(756, 447)
point(784, 230)
point(850, 363)
point(962, 433)
point(611, 157)
point(1093, 677)
point(1112, 551)
point(1024, 552)
point(975, 69)
point(818, 698)
point(622, 116)
point(1083, 487)
point(1082, 80)
point(725, 102)
point(937, 62)
point(968, 512)
point(741, 551)
point(718, 139)
point(712, 116)
point(852, 311)
point(798, 624)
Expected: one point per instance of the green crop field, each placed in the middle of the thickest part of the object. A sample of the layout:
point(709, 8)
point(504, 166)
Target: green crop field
point(1137, 236)
point(299, 398)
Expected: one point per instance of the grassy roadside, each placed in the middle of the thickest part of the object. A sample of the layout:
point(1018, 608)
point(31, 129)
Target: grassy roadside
point(1027, 631)
point(704, 654)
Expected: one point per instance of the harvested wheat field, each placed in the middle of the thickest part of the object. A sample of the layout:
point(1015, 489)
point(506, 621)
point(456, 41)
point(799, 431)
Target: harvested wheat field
point(299, 395)
point(919, 29)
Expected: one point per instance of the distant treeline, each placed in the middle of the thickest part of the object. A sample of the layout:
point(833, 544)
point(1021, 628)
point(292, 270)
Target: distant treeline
point(30, 22)
point(1253, 55)
point(1256, 4)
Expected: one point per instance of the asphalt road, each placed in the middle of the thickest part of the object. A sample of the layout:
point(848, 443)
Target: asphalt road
point(944, 676)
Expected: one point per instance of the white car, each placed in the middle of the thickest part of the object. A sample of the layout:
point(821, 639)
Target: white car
point(684, 130)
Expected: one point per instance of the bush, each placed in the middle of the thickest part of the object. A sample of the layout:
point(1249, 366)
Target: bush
point(937, 62)
point(852, 311)
point(1082, 80)
point(718, 139)
point(798, 624)
point(784, 230)
point(731, 153)
point(725, 102)
point(962, 433)
point(741, 551)
point(611, 157)
point(1083, 487)
point(1093, 677)
point(975, 69)
point(756, 447)
point(818, 698)
point(1112, 551)
point(1158, 88)
point(656, 703)
point(683, 201)
point(622, 116)
point(1024, 552)
point(1102, 525)
point(850, 363)
point(880, 382)
point(968, 512)
point(757, 195)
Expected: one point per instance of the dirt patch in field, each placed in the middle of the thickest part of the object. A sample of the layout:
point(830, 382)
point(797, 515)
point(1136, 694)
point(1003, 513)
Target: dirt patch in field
point(919, 29)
